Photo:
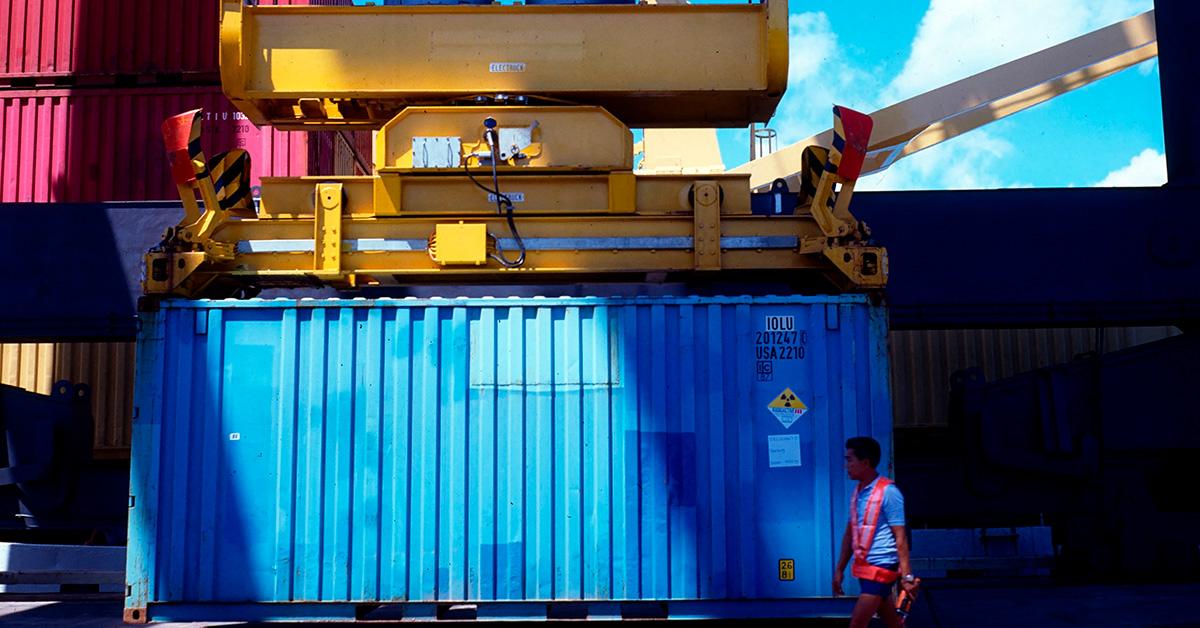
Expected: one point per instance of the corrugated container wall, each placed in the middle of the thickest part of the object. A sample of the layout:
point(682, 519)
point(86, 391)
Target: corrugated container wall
point(343, 152)
point(98, 42)
point(921, 365)
point(106, 144)
point(324, 453)
point(923, 361)
point(105, 367)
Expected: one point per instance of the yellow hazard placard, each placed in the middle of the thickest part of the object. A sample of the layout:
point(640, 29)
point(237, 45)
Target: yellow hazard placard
point(787, 569)
point(787, 407)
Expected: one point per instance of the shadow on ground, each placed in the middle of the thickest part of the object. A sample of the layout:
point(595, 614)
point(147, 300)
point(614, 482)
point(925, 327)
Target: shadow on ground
point(942, 605)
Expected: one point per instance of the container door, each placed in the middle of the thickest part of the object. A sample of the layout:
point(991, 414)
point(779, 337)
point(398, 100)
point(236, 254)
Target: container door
point(247, 459)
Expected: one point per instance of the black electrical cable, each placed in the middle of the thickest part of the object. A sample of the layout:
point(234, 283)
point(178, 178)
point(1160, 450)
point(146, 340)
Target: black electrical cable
point(504, 207)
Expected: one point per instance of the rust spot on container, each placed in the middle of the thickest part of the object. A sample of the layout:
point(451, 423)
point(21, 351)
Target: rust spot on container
point(136, 615)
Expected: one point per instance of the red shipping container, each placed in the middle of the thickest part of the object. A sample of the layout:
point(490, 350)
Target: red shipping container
point(348, 152)
point(89, 145)
point(91, 41)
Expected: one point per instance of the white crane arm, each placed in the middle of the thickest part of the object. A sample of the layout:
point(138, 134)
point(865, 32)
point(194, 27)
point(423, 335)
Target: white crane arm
point(946, 112)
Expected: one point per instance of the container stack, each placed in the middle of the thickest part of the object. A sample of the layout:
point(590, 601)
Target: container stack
point(84, 87)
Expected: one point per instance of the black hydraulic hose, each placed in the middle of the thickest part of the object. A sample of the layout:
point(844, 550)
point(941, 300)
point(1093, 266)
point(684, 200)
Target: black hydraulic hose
point(504, 207)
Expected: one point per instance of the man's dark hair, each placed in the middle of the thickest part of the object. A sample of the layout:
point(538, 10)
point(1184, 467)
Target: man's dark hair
point(865, 448)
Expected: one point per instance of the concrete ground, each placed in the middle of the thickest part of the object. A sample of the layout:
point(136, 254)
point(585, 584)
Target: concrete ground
point(84, 614)
point(942, 605)
point(1002, 604)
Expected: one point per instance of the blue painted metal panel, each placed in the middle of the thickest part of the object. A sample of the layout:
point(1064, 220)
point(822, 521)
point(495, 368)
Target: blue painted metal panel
point(480, 450)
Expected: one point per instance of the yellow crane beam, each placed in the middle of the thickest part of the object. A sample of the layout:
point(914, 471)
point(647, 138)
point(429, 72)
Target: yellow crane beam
point(368, 251)
point(547, 194)
point(311, 67)
point(483, 171)
point(679, 151)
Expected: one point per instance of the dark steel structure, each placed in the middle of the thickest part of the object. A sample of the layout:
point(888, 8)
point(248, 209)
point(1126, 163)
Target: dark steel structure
point(1093, 263)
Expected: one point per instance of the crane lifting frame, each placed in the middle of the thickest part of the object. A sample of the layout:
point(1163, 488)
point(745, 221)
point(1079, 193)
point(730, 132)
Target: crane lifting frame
point(317, 66)
point(540, 99)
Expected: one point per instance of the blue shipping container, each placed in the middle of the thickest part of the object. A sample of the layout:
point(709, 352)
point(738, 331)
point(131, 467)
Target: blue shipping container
point(530, 458)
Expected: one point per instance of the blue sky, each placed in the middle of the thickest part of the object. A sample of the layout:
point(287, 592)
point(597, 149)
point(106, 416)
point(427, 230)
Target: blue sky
point(868, 54)
point(871, 53)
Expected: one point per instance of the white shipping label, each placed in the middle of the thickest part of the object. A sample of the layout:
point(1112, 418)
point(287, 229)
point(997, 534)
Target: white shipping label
point(783, 450)
point(515, 197)
point(506, 67)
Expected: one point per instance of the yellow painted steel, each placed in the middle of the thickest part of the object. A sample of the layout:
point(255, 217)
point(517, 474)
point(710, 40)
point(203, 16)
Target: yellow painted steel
point(461, 244)
point(650, 65)
point(585, 138)
point(681, 151)
point(327, 228)
point(577, 212)
point(622, 193)
point(504, 151)
point(561, 247)
point(557, 193)
point(706, 217)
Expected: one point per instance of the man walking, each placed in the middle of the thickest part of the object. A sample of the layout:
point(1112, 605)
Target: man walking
point(874, 537)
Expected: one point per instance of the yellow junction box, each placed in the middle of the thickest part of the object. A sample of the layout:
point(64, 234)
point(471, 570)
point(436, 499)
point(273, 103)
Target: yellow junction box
point(460, 244)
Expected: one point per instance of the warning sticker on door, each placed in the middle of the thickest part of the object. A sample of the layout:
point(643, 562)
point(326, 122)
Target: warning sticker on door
point(783, 450)
point(787, 407)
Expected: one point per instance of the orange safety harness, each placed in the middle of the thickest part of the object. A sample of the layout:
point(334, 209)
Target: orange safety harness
point(863, 535)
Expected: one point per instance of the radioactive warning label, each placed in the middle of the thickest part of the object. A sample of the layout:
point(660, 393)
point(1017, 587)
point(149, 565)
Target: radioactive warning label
point(787, 407)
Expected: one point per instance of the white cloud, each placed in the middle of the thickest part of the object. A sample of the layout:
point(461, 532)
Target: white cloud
point(819, 75)
point(811, 42)
point(1147, 169)
point(959, 38)
point(968, 162)
point(955, 39)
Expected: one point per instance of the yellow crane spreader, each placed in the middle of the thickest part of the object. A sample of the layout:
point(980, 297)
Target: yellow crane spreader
point(504, 152)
